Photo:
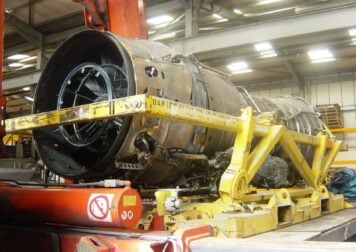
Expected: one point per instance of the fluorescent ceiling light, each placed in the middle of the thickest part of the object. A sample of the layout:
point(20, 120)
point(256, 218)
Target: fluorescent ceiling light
point(160, 20)
point(18, 57)
point(26, 88)
point(220, 18)
point(248, 70)
point(266, 50)
point(352, 32)
point(268, 54)
point(323, 60)
point(164, 36)
point(28, 59)
point(321, 55)
point(30, 99)
point(261, 2)
point(265, 46)
point(223, 20)
point(239, 67)
point(16, 64)
point(26, 66)
point(267, 12)
point(238, 11)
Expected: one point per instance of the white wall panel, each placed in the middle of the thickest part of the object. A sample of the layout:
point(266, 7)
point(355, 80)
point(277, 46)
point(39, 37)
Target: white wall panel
point(287, 91)
point(322, 94)
point(347, 93)
point(313, 95)
point(335, 93)
point(349, 118)
point(265, 93)
point(255, 93)
point(276, 92)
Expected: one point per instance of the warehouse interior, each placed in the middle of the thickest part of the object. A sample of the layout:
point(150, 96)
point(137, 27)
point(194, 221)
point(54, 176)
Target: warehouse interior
point(271, 48)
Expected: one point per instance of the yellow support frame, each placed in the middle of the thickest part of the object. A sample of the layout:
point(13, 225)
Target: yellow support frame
point(345, 162)
point(127, 106)
point(278, 206)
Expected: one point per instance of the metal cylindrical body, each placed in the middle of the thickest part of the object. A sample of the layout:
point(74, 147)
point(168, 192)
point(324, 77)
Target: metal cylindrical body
point(97, 207)
point(92, 66)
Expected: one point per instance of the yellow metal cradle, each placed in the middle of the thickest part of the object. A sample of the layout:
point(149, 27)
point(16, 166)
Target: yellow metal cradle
point(241, 210)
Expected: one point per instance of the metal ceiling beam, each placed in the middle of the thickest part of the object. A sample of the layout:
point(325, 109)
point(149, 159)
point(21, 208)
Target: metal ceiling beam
point(24, 5)
point(278, 83)
point(48, 39)
point(218, 7)
point(26, 31)
point(59, 36)
point(192, 9)
point(267, 31)
point(299, 80)
point(21, 80)
point(228, 56)
point(75, 19)
point(317, 78)
point(164, 8)
point(172, 25)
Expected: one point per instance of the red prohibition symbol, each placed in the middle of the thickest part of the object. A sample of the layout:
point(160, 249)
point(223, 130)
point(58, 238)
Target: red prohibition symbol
point(99, 207)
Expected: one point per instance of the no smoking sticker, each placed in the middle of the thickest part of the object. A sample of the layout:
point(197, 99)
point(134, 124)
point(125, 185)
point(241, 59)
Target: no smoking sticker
point(98, 208)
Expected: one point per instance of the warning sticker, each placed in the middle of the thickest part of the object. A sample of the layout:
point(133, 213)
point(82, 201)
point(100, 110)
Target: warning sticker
point(98, 208)
point(123, 215)
point(130, 215)
point(129, 200)
point(127, 215)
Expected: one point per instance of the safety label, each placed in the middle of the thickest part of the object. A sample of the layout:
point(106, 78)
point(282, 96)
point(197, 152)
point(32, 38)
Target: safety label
point(127, 215)
point(98, 208)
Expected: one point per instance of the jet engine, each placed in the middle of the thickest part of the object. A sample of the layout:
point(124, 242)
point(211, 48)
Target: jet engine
point(92, 66)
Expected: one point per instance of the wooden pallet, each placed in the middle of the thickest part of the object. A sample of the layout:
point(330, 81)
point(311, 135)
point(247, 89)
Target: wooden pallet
point(331, 115)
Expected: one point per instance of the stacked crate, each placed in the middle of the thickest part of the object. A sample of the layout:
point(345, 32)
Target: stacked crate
point(331, 115)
